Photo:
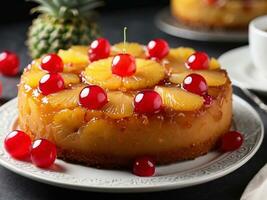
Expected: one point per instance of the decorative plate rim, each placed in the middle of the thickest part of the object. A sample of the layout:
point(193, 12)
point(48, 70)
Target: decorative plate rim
point(166, 23)
point(224, 165)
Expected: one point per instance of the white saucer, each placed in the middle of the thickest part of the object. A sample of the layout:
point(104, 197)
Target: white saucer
point(166, 23)
point(242, 71)
point(181, 174)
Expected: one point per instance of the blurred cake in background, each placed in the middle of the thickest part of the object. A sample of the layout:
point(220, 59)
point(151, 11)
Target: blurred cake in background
point(232, 14)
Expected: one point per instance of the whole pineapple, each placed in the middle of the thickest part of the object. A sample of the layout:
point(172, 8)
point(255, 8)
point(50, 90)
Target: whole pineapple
point(61, 24)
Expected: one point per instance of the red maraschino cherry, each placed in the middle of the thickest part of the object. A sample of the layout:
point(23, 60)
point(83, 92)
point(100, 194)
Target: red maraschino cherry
point(18, 144)
point(99, 49)
point(231, 141)
point(93, 97)
point(123, 65)
point(195, 83)
point(1, 88)
point(52, 63)
point(147, 101)
point(158, 48)
point(43, 153)
point(51, 83)
point(198, 60)
point(144, 167)
point(9, 63)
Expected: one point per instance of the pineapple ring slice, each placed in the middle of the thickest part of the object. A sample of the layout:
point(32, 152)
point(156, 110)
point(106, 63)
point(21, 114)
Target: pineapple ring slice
point(214, 64)
point(66, 122)
point(148, 73)
point(75, 59)
point(180, 54)
point(81, 49)
point(213, 78)
point(119, 105)
point(32, 78)
point(178, 99)
point(134, 49)
point(175, 60)
point(67, 98)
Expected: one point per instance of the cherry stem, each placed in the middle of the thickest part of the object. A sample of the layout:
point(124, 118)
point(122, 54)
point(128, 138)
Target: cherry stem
point(124, 39)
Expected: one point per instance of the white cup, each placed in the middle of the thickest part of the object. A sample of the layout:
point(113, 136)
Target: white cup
point(258, 43)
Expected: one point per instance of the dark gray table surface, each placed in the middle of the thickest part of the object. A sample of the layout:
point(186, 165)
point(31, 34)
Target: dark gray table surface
point(141, 28)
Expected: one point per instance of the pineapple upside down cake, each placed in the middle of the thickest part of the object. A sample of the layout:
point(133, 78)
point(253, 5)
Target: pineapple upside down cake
point(233, 14)
point(106, 105)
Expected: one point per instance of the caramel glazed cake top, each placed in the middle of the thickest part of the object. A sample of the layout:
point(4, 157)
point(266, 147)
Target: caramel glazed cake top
point(169, 71)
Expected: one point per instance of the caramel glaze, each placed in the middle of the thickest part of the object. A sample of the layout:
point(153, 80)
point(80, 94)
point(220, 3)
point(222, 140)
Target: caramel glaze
point(166, 114)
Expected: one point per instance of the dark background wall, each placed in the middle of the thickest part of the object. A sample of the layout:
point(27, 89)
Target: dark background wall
point(14, 10)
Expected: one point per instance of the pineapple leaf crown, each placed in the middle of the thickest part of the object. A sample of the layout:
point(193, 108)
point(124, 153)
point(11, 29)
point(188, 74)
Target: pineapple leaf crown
point(67, 9)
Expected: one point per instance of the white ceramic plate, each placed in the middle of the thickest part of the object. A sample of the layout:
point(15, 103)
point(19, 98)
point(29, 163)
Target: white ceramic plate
point(178, 175)
point(170, 25)
point(242, 71)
